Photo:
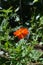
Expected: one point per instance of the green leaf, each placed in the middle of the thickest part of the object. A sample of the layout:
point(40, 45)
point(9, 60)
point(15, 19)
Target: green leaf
point(35, 54)
point(35, 1)
point(41, 20)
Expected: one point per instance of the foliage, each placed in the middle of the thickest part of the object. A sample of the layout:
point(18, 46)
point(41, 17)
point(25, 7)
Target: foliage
point(12, 50)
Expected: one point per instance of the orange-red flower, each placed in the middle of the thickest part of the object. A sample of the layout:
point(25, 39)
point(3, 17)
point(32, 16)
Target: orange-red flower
point(21, 33)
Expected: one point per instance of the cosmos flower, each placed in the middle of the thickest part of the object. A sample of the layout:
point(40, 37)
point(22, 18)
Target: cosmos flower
point(21, 33)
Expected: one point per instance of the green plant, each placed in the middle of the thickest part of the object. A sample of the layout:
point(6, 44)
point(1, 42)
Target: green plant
point(21, 52)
